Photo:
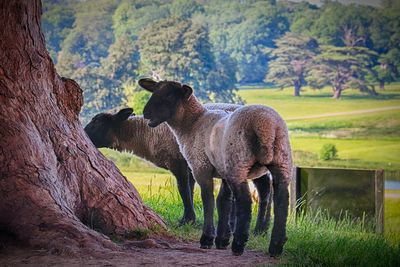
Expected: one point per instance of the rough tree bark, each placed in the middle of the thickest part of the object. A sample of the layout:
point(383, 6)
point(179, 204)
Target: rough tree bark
point(55, 186)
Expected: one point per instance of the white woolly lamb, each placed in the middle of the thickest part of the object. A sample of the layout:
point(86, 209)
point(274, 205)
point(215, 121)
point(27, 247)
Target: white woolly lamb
point(125, 132)
point(236, 146)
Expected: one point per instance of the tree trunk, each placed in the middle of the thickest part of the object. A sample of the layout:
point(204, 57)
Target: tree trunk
point(56, 188)
point(297, 88)
point(381, 85)
point(338, 92)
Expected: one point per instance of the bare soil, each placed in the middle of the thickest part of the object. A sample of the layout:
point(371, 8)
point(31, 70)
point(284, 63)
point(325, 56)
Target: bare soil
point(144, 253)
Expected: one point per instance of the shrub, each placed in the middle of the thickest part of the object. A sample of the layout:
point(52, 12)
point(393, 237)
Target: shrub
point(328, 152)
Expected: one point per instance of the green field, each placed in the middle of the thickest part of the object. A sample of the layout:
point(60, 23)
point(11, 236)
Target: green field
point(369, 139)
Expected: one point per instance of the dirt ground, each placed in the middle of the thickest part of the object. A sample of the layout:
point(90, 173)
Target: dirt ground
point(179, 254)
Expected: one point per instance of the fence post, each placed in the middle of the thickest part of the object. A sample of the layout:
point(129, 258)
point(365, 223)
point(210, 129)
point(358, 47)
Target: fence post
point(379, 200)
point(293, 191)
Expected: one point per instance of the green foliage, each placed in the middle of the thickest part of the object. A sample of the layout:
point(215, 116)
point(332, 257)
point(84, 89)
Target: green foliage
point(185, 8)
point(180, 50)
point(214, 45)
point(136, 99)
point(177, 50)
point(58, 22)
point(122, 61)
point(342, 68)
point(90, 37)
point(243, 30)
point(100, 93)
point(290, 59)
point(328, 152)
point(342, 25)
point(132, 16)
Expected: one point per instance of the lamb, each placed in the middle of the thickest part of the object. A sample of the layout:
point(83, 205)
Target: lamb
point(236, 146)
point(124, 132)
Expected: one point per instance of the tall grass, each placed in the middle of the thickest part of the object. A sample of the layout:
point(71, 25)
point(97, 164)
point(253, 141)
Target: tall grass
point(314, 239)
point(318, 240)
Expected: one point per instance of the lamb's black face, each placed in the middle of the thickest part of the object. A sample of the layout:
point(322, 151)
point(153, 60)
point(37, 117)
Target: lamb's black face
point(164, 101)
point(101, 128)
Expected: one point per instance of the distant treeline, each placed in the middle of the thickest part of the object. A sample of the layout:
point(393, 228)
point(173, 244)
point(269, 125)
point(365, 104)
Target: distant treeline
point(105, 45)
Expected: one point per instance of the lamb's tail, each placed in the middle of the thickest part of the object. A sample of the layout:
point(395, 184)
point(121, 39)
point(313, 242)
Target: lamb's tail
point(274, 152)
point(273, 141)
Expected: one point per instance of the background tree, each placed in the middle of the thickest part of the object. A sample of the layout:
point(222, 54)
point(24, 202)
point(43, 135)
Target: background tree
point(178, 50)
point(55, 186)
point(103, 36)
point(342, 25)
point(101, 92)
point(243, 30)
point(343, 68)
point(58, 22)
point(388, 69)
point(90, 39)
point(385, 37)
point(301, 17)
point(122, 61)
point(290, 59)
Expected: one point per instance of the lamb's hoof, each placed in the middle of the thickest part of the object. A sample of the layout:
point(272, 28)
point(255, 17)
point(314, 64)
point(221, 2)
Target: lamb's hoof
point(237, 248)
point(221, 243)
point(184, 221)
point(275, 249)
point(206, 242)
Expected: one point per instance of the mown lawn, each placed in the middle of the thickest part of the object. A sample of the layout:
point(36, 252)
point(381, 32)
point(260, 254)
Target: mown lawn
point(319, 102)
point(370, 140)
point(386, 152)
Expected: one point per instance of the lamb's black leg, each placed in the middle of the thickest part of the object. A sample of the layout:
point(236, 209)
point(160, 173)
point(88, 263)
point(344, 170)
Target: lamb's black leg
point(192, 181)
point(207, 197)
point(281, 203)
point(232, 216)
point(243, 216)
point(224, 206)
point(182, 179)
point(263, 186)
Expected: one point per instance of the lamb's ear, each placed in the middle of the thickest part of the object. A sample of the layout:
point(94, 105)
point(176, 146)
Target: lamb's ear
point(187, 90)
point(123, 114)
point(148, 84)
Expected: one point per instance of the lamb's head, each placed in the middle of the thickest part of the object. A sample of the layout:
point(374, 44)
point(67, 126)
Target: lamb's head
point(166, 98)
point(101, 129)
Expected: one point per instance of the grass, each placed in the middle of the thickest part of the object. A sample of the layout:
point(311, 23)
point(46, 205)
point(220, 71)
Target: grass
point(314, 239)
point(369, 140)
point(392, 215)
point(379, 125)
point(386, 152)
point(313, 102)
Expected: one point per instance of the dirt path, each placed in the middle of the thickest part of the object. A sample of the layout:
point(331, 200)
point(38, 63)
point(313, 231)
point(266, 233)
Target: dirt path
point(180, 254)
point(355, 112)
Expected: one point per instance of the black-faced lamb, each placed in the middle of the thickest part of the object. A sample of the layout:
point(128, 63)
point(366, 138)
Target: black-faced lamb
point(125, 132)
point(236, 146)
